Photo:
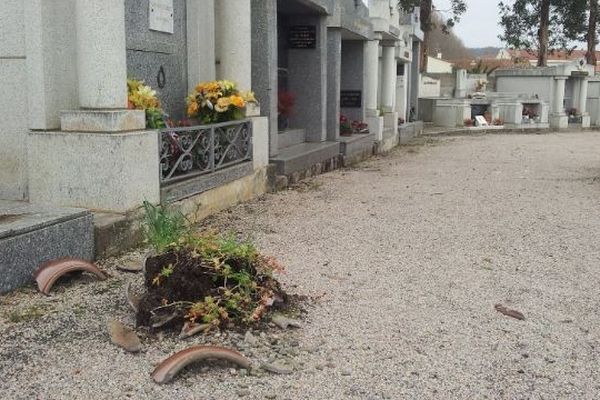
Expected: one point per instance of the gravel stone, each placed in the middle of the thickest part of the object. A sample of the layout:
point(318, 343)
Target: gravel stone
point(461, 223)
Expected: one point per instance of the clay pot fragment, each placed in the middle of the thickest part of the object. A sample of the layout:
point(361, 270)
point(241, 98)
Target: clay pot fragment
point(509, 313)
point(132, 299)
point(160, 320)
point(48, 273)
point(131, 266)
point(169, 368)
point(123, 336)
point(277, 368)
point(190, 329)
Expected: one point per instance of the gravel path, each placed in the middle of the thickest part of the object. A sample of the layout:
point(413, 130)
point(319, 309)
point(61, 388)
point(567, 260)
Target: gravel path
point(403, 259)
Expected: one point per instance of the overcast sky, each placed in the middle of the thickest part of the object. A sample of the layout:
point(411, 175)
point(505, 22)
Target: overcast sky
point(479, 26)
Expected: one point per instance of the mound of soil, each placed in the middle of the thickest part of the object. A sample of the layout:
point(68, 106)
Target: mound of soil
point(190, 279)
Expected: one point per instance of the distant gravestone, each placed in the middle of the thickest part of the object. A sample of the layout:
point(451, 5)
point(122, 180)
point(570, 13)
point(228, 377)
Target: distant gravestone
point(481, 121)
point(157, 50)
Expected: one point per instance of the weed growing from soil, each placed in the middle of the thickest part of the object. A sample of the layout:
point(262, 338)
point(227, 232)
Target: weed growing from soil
point(162, 227)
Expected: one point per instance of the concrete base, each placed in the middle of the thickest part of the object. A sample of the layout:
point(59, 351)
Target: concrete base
point(290, 137)
point(376, 126)
point(302, 156)
point(114, 234)
point(117, 233)
point(559, 121)
point(586, 121)
point(109, 172)
point(451, 113)
point(356, 148)
point(102, 120)
point(31, 235)
point(388, 142)
point(409, 131)
point(390, 121)
point(190, 187)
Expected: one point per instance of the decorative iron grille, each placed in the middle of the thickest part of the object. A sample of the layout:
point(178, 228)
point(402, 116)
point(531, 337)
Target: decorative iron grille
point(197, 150)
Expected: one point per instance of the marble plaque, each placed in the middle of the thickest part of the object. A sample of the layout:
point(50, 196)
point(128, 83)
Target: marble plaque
point(481, 121)
point(161, 15)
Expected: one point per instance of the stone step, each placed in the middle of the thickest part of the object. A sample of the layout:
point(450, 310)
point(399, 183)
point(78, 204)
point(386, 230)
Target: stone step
point(304, 155)
point(356, 144)
point(290, 137)
point(33, 234)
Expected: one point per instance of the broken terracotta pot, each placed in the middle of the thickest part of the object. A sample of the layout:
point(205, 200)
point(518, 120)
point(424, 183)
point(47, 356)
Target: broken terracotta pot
point(160, 320)
point(190, 329)
point(132, 299)
point(167, 369)
point(48, 273)
point(509, 313)
point(124, 336)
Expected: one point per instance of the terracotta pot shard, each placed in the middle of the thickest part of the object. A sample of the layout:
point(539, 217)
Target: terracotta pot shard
point(48, 273)
point(190, 329)
point(169, 368)
point(132, 299)
point(160, 320)
point(509, 313)
point(123, 336)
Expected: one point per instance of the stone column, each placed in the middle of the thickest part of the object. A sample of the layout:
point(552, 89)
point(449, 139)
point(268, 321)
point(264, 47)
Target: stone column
point(264, 65)
point(200, 28)
point(415, 78)
point(583, 91)
point(388, 78)
point(559, 95)
point(101, 71)
point(372, 72)
point(234, 41)
point(334, 72)
point(558, 118)
point(372, 89)
point(101, 59)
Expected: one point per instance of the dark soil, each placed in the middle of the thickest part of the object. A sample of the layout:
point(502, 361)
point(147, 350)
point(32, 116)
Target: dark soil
point(191, 280)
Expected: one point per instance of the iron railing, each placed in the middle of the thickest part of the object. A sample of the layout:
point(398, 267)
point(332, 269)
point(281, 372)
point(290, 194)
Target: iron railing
point(197, 150)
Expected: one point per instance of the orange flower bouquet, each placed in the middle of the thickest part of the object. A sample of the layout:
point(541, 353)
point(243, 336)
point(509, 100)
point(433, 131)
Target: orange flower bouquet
point(218, 101)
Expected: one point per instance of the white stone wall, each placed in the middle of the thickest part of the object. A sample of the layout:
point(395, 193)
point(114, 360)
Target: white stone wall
point(438, 66)
point(38, 79)
point(380, 9)
point(401, 96)
point(531, 85)
point(51, 61)
point(13, 101)
point(593, 101)
point(429, 87)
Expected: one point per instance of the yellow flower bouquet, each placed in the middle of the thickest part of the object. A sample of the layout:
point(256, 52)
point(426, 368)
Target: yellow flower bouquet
point(142, 97)
point(218, 101)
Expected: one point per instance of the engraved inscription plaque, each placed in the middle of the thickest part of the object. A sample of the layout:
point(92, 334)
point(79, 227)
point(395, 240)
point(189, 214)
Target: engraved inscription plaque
point(161, 15)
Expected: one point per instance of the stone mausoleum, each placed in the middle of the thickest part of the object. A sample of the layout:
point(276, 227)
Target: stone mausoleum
point(70, 146)
point(557, 97)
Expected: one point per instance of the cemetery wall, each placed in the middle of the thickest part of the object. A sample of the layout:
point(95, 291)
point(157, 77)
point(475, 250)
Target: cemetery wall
point(532, 85)
point(13, 101)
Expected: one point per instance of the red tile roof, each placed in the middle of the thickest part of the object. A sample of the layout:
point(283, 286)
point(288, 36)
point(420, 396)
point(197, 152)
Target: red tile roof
point(556, 55)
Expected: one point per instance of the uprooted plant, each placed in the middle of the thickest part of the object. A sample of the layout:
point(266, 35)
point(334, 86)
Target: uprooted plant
point(205, 279)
